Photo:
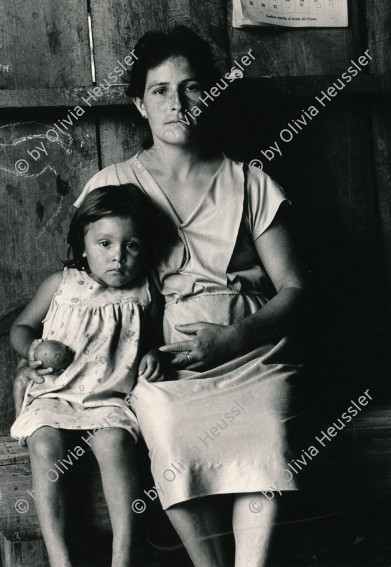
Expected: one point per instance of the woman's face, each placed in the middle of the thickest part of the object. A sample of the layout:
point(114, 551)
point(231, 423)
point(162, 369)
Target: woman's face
point(171, 89)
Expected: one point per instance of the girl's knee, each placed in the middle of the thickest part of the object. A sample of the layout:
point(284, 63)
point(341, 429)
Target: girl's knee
point(45, 445)
point(117, 436)
point(113, 441)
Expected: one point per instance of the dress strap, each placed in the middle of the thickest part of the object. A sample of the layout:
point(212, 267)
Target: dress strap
point(245, 198)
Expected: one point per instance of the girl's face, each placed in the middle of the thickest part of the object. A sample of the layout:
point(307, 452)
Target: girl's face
point(170, 90)
point(114, 250)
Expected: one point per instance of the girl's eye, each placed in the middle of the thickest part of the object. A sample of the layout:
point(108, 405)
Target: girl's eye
point(104, 243)
point(133, 246)
point(192, 87)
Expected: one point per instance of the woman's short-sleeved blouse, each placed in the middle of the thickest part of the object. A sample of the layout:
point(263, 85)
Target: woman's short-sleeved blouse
point(215, 246)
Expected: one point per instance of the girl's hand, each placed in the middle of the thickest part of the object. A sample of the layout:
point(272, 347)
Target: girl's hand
point(20, 385)
point(151, 367)
point(210, 346)
point(24, 376)
point(36, 376)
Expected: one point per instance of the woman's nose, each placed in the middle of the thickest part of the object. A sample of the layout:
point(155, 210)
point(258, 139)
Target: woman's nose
point(175, 102)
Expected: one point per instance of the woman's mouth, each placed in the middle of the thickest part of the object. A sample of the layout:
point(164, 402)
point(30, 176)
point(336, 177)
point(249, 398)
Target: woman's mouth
point(175, 120)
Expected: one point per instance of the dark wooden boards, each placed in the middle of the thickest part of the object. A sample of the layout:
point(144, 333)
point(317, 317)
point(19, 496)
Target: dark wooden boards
point(327, 51)
point(381, 121)
point(293, 52)
point(44, 48)
point(44, 44)
point(378, 23)
point(117, 26)
point(35, 215)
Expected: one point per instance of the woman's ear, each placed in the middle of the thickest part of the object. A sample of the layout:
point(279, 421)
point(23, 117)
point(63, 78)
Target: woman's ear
point(84, 255)
point(140, 106)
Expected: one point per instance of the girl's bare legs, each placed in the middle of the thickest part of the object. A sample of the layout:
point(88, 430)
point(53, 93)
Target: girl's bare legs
point(200, 525)
point(46, 446)
point(252, 530)
point(113, 448)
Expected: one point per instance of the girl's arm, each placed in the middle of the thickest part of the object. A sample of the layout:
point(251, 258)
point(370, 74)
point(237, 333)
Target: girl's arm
point(213, 344)
point(28, 326)
point(25, 335)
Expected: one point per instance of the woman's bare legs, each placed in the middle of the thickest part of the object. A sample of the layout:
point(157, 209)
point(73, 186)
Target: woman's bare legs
point(46, 446)
point(113, 448)
point(252, 530)
point(200, 525)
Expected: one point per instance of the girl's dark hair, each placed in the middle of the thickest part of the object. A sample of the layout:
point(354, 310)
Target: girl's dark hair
point(156, 46)
point(124, 201)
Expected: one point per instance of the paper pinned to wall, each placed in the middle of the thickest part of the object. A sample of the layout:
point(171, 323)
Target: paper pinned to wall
point(290, 13)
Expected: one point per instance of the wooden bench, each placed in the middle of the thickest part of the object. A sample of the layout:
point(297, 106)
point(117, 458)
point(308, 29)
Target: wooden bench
point(344, 485)
point(21, 541)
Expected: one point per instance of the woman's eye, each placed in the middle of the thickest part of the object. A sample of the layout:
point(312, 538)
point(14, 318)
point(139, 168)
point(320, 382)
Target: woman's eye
point(104, 243)
point(160, 91)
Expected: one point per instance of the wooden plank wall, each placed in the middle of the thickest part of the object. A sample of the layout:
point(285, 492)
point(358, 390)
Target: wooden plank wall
point(337, 170)
point(44, 47)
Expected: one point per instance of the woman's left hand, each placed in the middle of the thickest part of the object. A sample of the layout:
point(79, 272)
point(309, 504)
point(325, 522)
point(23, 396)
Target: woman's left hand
point(210, 346)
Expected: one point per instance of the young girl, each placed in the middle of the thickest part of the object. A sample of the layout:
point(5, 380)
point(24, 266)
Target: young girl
point(97, 307)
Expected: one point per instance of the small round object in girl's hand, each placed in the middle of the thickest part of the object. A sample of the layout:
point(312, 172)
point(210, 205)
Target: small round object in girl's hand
point(54, 354)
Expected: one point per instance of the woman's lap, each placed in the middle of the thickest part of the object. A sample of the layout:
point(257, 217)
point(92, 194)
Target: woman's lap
point(221, 431)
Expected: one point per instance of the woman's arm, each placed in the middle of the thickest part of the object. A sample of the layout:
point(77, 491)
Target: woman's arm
point(281, 260)
point(28, 326)
point(213, 344)
point(154, 327)
point(151, 364)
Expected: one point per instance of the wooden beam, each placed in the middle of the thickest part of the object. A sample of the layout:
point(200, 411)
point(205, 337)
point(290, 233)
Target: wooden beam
point(52, 98)
point(267, 86)
point(314, 85)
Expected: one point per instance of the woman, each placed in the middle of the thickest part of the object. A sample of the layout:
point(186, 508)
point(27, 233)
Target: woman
point(232, 286)
point(233, 249)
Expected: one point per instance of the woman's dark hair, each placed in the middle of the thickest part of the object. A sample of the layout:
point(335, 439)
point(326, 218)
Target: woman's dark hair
point(124, 201)
point(153, 49)
point(156, 46)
